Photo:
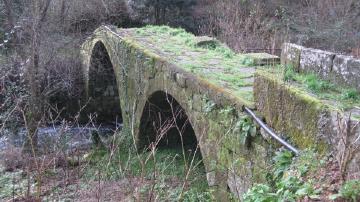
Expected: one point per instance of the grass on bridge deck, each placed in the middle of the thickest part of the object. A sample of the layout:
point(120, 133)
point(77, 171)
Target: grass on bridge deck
point(208, 59)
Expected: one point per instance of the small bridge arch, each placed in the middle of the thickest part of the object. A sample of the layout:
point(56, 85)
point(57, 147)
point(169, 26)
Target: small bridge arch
point(102, 90)
point(166, 122)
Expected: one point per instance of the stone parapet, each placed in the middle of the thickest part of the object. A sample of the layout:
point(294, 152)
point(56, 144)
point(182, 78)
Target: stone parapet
point(330, 66)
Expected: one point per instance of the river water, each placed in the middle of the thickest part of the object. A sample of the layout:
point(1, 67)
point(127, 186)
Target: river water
point(52, 138)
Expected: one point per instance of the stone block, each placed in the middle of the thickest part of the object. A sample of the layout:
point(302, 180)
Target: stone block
point(180, 80)
point(211, 178)
point(197, 102)
point(206, 41)
point(316, 61)
point(290, 55)
point(261, 59)
point(238, 184)
point(346, 70)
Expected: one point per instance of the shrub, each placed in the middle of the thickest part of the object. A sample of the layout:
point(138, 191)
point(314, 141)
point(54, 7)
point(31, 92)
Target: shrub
point(11, 158)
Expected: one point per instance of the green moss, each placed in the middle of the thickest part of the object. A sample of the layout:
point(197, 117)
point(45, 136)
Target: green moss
point(216, 63)
point(343, 97)
point(294, 111)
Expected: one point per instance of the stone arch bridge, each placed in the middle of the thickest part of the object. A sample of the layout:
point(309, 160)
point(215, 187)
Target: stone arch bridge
point(152, 76)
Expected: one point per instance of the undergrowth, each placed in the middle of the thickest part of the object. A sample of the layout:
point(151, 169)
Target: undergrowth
point(300, 178)
point(162, 175)
point(349, 190)
point(287, 179)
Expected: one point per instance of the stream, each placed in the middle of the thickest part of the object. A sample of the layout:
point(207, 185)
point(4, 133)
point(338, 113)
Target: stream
point(52, 138)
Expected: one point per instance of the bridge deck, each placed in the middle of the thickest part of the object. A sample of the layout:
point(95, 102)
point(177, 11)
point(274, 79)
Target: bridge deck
point(207, 59)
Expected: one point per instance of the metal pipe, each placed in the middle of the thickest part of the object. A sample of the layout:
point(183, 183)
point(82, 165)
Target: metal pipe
point(271, 132)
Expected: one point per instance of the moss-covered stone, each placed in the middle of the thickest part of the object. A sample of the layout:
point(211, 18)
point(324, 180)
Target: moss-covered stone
point(292, 112)
point(305, 119)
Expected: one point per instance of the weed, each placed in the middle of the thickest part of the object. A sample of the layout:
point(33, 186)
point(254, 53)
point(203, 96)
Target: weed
point(350, 94)
point(247, 61)
point(209, 106)
point(317, 85)
point(166, 166)
point(260, 192)
point(282, 161)
point(349, 190)
point(247, 129)
point(289, 73)
point(344, 96)
point(286, 179)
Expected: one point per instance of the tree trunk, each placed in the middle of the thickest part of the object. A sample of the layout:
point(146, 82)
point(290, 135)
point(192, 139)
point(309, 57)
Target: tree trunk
point(9, 15)
point(36, 105)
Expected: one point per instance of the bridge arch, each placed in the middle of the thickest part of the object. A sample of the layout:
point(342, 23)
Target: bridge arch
point(166, 123)
point(102, 89)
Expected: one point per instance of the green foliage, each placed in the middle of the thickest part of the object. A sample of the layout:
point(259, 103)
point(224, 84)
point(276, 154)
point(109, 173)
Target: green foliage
point(311, 81)
point(209, 106)
point(317, 85)
point(345, 97)
point(286, 179)
point(289, 74)
point(349, 190)
point(247, 61)
point(282, 161)
point(351, 94)
point(13, 183)
point(246, 129)
point(260, 193)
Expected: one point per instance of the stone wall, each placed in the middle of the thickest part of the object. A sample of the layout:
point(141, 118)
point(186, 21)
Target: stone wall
point(305, 120)
point(340, 69)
